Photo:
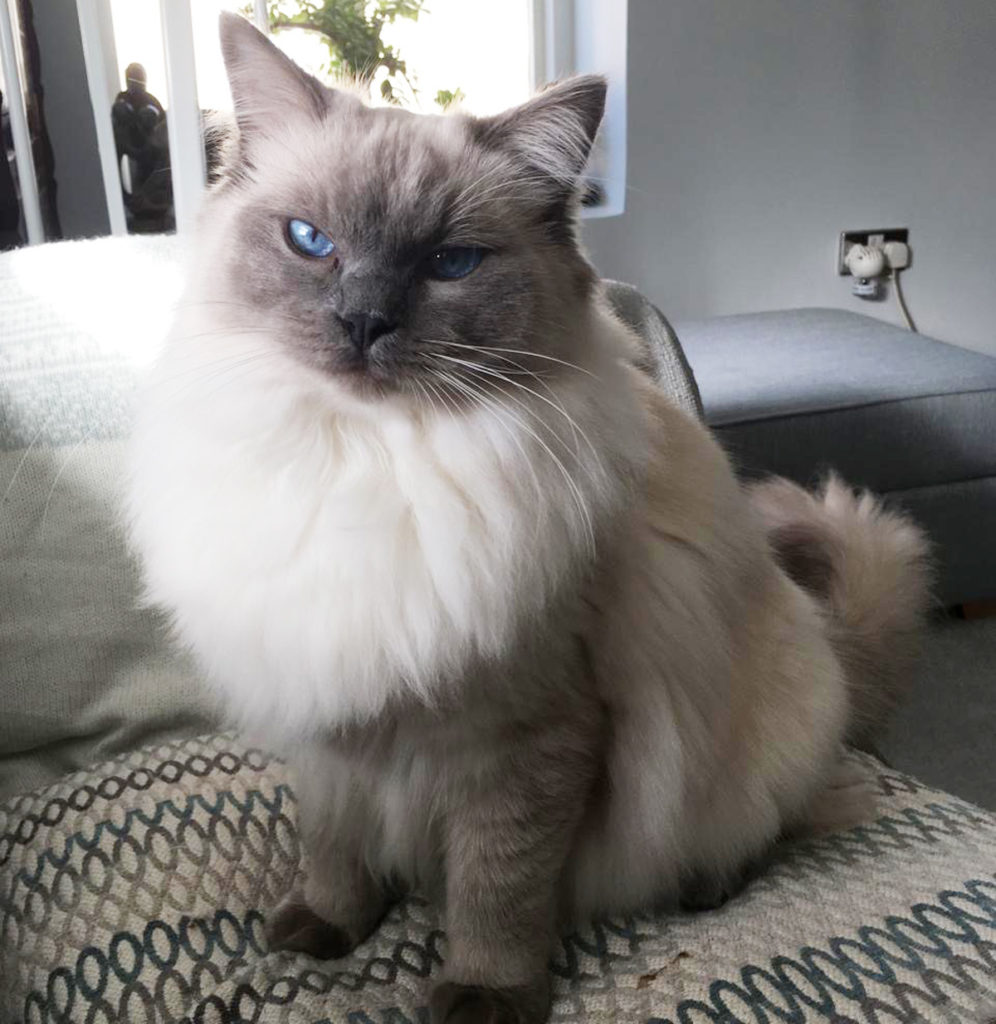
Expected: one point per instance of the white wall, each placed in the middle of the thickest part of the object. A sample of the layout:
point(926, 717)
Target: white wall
point(759, 129)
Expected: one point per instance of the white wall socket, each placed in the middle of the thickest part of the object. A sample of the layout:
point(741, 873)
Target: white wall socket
point(867, 236)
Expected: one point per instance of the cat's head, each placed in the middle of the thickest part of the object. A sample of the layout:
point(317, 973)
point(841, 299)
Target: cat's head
point(398, 253)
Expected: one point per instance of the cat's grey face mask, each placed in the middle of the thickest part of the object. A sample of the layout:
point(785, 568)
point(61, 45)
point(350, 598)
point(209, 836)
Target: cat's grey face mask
point(398, 253)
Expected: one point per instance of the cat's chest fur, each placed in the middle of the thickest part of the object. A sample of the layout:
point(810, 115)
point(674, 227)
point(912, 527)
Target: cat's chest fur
point(319, 566)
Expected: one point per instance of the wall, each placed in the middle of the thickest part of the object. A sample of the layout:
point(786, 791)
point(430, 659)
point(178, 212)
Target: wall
point(80, 193)
point(759, 129)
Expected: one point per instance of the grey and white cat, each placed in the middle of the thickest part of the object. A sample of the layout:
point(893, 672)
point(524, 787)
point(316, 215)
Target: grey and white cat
point(524, 638)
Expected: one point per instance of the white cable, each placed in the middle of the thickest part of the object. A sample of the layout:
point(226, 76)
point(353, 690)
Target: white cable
point(902, 302)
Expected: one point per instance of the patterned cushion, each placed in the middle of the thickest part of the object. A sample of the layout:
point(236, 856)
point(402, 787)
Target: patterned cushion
point(136, 891)
point(86, 673)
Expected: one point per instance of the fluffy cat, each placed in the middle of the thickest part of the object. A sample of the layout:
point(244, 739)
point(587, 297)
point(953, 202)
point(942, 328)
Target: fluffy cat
point(523, 637)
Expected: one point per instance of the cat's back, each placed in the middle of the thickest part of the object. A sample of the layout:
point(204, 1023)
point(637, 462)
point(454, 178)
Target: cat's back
point(706, 655)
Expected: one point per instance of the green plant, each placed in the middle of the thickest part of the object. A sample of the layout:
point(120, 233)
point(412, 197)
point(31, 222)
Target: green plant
point(352, 30)
point(445, 98)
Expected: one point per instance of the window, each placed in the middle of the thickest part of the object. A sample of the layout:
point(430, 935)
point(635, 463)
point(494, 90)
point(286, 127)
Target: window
point(481, 48)
point(484, 55)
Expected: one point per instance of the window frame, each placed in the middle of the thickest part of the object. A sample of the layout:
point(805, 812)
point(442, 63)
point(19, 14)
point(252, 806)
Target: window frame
point(589, 36)
point(568, 36)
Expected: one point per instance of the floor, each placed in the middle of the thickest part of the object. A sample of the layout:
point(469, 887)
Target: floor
point(945, 733)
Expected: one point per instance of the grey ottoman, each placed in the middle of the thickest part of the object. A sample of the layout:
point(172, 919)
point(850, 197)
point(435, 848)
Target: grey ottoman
point(799, 392)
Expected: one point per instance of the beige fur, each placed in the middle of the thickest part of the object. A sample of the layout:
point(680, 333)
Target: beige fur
point(871, 567)
point(726, 698)
point(523, 636)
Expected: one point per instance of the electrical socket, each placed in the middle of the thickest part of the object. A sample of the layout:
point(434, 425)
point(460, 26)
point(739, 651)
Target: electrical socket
point(867, 236)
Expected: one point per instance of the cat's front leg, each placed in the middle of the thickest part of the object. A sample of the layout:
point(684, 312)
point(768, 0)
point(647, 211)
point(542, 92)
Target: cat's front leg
point(336, 908)
point(339, 903)
point(510, 826)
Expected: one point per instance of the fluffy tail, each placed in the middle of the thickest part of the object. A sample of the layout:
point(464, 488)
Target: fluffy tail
point(871, 568)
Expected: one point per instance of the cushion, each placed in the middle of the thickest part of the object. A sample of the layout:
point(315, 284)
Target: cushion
point(791, 391)
point(138, 890)
point(86, 672)
point(663, 357)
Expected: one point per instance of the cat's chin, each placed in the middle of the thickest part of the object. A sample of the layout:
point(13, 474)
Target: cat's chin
point(367, 383)
point(360, 392)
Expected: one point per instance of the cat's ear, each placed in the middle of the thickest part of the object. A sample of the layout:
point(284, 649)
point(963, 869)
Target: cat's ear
point(266, 84)
point(555, 130)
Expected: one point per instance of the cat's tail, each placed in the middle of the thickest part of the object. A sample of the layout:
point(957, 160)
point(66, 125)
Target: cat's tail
point(870, 566)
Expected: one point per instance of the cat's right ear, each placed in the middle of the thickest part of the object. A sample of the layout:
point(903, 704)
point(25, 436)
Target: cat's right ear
point(266, 84)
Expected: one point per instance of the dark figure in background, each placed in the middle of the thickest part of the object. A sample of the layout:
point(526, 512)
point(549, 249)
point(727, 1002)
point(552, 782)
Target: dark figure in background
point(10, 207)
point(141, 138)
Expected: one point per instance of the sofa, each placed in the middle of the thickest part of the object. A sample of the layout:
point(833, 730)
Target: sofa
point(799, 392)
point(141, 847)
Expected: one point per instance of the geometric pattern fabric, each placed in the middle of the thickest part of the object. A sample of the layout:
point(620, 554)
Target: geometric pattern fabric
point(137, 891)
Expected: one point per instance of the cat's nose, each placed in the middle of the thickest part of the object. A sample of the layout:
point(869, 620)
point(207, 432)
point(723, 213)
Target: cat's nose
point(365, 328)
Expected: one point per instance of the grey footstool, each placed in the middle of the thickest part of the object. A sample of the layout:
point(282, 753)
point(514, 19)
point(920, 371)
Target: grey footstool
point(802, 391)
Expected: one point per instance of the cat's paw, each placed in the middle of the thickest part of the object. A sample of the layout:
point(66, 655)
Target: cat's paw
point(295, 926)
point(707, 890)
point(453, 1003)
point(704, 892)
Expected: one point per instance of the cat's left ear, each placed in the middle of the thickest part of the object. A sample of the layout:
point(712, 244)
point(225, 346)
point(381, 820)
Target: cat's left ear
point(555, 130)
point(267, 86)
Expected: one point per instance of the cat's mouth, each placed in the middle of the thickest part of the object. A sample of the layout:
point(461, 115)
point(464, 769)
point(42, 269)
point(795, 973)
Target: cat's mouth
point(369, 374)
point(385, 368)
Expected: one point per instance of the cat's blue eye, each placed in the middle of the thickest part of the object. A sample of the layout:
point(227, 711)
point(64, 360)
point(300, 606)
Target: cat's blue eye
point(455, 261)
point(307, 239)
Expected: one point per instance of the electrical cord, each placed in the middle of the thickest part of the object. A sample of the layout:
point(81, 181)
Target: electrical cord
point(902, 301)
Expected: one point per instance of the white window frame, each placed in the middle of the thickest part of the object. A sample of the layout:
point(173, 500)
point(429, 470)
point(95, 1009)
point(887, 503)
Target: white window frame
point(10, 61)
point(101, 61)
point(567, 36)
point(589, 36)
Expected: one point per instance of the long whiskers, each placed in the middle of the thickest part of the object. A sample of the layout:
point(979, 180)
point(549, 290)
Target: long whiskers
point(479, 401)
point(516, 352)
point(27, 451)
point(576, 429)
point(472, 391)
point(55, 483)
point(221, 372)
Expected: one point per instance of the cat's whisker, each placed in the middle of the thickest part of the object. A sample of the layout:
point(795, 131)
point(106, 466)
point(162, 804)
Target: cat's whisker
point(519, 352)
point(574, 452)
point(487, 380)
point(540, 380)
point(572, 484)
point(430, 394)
point(241, 306)
point(421, 394)
point(226, 331)
point(546, 387)
point(24, 458)
point(55, 483)
point(518, 371)
point(223, 372)
point(552, 403)
point(496, 418)
point(227, 361)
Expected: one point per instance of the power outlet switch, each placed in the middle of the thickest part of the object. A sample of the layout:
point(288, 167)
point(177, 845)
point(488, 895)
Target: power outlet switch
point(867, 236)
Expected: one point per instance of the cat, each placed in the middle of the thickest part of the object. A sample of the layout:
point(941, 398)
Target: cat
point(522, 635)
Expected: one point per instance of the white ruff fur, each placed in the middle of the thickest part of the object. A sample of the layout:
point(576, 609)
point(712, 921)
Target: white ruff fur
point(323, 555)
